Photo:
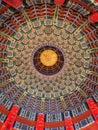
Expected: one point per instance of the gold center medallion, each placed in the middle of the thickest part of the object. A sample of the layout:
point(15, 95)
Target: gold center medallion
point(48, 57)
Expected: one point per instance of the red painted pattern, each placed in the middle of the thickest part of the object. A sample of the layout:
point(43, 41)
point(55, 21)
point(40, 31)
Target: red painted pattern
point(93, 17)
point(14, 3)
point(69, 123)
point(59, 2)
point(40, 122)
point(93, 108)
point(8, 125)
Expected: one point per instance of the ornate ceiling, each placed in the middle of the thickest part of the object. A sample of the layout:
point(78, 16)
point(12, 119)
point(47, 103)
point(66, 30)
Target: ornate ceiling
point(48, 55)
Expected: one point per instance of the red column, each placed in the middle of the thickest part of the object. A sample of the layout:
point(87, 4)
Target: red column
point(59, 2)
point(93, 17)
point(11, 118)
point(93, 108)
point(40, 122)
point(14, 3)
point(68, 123)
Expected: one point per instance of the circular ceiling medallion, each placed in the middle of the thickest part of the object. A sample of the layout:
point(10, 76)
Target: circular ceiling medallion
point(48, 60)
point(48, 57)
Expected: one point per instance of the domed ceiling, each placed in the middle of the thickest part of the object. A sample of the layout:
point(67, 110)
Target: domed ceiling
point(49, 56)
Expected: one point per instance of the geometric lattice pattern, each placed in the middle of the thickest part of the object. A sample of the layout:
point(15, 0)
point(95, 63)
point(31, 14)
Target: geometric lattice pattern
point(73, 46)
point(41, 25)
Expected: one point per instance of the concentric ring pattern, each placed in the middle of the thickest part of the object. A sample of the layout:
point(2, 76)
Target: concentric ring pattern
point(48, 60)
point(26, 81)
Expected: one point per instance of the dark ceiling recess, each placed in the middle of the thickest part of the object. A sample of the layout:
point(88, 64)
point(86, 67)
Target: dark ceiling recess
point(48, 65)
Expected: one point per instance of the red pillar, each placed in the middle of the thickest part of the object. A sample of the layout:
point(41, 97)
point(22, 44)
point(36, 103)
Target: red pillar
point(93, 108)
point(68, 123)
point(40, 122)
point(59, 2)
point(14, 3)
point(11, 118)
